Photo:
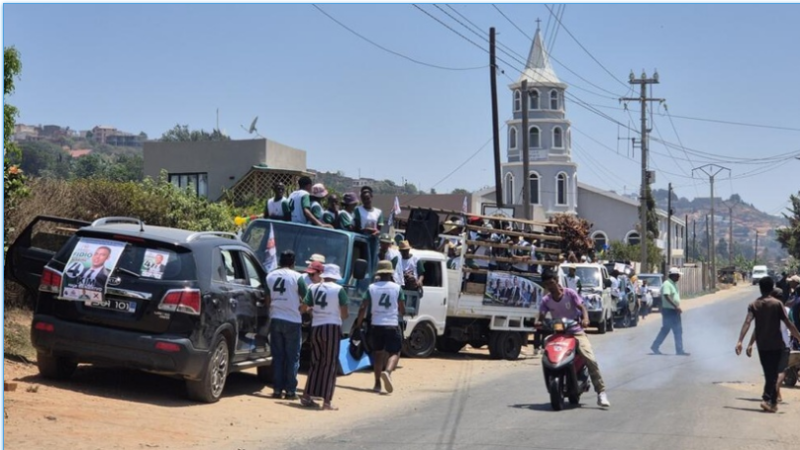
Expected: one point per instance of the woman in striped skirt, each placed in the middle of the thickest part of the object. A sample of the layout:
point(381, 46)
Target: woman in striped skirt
point(326, 329)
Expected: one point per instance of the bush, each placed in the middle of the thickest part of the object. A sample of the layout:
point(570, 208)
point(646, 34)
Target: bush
point(154, 202)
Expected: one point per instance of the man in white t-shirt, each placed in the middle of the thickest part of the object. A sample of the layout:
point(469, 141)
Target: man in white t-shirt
point(285, 291)
point(278, 206)
point(367, 219)
point(387, 252)
point(413, 269)
point(384, 301)
point(300, 203)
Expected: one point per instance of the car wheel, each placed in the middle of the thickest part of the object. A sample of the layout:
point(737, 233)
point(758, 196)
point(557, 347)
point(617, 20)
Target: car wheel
point(55, 367)
point(790, 378)
point(421, 342)
point(610, 321)
point(208, 389)
point(626, 320)
point(602, 326)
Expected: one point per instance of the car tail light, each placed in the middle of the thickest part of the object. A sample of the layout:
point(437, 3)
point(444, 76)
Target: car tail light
point(183, 301)
point(168, 346)
point(51, 281)
point(44, 326)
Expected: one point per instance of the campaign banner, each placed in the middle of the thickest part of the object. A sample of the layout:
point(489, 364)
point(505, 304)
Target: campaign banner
point(507, 289)
point(87, 270)
point(154, 263)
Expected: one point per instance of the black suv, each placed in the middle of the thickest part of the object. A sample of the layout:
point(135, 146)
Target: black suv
point(162, 300)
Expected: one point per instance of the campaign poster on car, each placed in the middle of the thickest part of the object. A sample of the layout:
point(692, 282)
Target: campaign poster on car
point(154, 263)
point(87, 270)
point(507, 289)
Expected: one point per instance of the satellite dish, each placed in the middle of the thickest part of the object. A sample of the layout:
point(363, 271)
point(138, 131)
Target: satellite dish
point(253, 126)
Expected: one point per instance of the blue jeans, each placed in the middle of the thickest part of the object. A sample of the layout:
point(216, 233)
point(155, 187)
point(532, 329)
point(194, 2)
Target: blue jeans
point(670, 321)
point(284, 342)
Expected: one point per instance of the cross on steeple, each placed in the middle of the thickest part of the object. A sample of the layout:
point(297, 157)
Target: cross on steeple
point(538, 21)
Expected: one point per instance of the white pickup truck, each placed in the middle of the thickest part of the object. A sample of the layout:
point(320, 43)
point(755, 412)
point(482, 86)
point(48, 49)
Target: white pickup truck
point(447, 317)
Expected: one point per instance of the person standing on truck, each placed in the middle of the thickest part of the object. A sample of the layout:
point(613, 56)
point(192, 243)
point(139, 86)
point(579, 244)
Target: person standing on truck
point(368, 219)
point(383, 302)
point(300, 203)
point(345, 219)
point(573, 280)
point(318, 194)
point(413, 269)
point(389, 253)
point(285, 290)
point(330, 215)
point(277, 208)
point(327, 302)
point(565, 303)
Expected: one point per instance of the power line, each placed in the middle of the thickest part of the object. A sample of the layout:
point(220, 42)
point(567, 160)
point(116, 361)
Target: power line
point(511, 22)
point(586, 50)
point(435, 66)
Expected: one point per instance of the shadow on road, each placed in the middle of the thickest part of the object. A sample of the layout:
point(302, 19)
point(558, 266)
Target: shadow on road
point(758, 410)
point(142, 387)
point(538, 406)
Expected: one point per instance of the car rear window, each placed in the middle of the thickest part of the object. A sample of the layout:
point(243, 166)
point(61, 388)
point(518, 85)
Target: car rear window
point(146, 259)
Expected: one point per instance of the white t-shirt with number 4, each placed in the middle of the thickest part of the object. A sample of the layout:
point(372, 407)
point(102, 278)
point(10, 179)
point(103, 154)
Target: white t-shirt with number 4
point(284, 289)
point(326, 298)
point(384, 297)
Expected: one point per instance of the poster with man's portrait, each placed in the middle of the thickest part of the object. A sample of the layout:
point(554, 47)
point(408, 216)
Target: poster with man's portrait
point(506, 289)
point(87, 270)
point(154, 264)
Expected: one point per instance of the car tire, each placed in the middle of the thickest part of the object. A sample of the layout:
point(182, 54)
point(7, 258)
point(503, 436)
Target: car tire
point(790, 377)
point(208, 389)
point(421, 342)
point(602, 326)
point(610, 322)
point(55, 367)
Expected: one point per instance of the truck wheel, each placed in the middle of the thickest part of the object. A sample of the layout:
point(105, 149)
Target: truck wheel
point(421, 342)
point(54, 367)
point(507, 345)
point(494, 351)
point(208, 389)
point(449, 345)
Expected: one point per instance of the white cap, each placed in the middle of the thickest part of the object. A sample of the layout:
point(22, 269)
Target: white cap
point(675, 271)
point(316, 257)
point(331, 272)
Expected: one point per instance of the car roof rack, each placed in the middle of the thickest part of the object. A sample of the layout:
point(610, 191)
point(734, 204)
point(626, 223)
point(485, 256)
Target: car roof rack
point(202, 234)
point(110, 220)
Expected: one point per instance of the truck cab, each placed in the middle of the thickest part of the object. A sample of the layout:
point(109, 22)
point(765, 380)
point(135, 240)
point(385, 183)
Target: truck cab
point(355, 254)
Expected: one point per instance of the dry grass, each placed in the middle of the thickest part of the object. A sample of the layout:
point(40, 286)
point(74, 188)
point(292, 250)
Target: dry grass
point(17, 335)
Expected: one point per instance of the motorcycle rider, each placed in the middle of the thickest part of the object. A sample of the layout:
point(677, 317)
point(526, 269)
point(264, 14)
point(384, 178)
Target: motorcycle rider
point(565, 303)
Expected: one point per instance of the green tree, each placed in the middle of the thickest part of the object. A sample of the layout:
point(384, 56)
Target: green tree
point(13, 178)
point(789, 237)
point(620, 251)
point(182, 133)
point(652, 217)
point(460, 191)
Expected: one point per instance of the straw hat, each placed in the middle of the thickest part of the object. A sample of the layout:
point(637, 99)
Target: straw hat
point(405, 245)
point(384, 267)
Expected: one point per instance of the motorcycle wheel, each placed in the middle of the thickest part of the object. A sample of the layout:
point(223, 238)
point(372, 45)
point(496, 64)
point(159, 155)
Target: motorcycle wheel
point(790, 378)
point(556, 396)
point(575, 400)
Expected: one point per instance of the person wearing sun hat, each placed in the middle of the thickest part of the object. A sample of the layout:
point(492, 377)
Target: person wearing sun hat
point(327, 302)
point(387, 252)
point(345, 219)
point(317, 195)
point(384, 301)
point(413, 269)
point(670, 313)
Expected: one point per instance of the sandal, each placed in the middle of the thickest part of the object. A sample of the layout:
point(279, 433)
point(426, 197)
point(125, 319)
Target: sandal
point(308, 403)
point(329, 407)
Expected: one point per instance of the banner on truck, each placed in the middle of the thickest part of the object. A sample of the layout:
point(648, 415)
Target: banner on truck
point(506, 289)
point(86, 272)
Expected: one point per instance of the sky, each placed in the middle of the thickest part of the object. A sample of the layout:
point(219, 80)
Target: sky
point(367, 112)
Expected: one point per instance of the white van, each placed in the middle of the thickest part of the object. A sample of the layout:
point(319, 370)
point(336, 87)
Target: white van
point(759, 272)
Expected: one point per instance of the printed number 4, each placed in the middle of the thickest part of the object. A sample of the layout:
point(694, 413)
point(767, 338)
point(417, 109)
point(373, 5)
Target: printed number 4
point(385, 301)
point(279, 286)
point(320, 299)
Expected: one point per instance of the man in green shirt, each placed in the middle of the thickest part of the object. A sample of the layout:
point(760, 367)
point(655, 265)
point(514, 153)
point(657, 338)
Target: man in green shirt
point(670, 314)
point(345, 219)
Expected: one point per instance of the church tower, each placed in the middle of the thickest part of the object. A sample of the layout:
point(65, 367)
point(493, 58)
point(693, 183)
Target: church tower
point(552, 176)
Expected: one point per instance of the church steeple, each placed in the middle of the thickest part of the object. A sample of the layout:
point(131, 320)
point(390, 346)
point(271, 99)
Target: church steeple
point(538, 68)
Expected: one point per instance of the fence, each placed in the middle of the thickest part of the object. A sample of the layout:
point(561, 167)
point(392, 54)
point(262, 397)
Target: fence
point(694, 280)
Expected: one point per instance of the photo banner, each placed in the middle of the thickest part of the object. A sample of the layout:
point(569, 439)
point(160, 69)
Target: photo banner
point(87, 270)
point(511, 290)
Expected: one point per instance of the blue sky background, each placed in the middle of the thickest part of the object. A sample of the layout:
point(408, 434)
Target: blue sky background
point(354, 107)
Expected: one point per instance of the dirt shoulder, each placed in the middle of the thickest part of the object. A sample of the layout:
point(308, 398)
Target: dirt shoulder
point(120, 409)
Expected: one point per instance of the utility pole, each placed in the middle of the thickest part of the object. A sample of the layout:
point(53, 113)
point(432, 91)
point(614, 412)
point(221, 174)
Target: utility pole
point(708, 254)
point(712, 170)
point(498, 179)
point(694, 239)
point(755, 255)
point(643, 99)
point(686, 238)
point(526, 157)
point(669, 227)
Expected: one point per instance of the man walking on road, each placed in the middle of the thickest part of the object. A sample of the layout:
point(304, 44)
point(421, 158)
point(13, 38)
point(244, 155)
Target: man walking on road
point(768, 313)
point(670, 314)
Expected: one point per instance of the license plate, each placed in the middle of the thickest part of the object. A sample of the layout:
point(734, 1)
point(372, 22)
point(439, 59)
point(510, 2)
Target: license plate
point(113, 305)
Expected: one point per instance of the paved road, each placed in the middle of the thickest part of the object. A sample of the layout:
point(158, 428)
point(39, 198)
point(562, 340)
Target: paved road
point(658, 402)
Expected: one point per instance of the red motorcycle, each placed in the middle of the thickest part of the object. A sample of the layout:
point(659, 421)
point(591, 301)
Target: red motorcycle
point(565, 370)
